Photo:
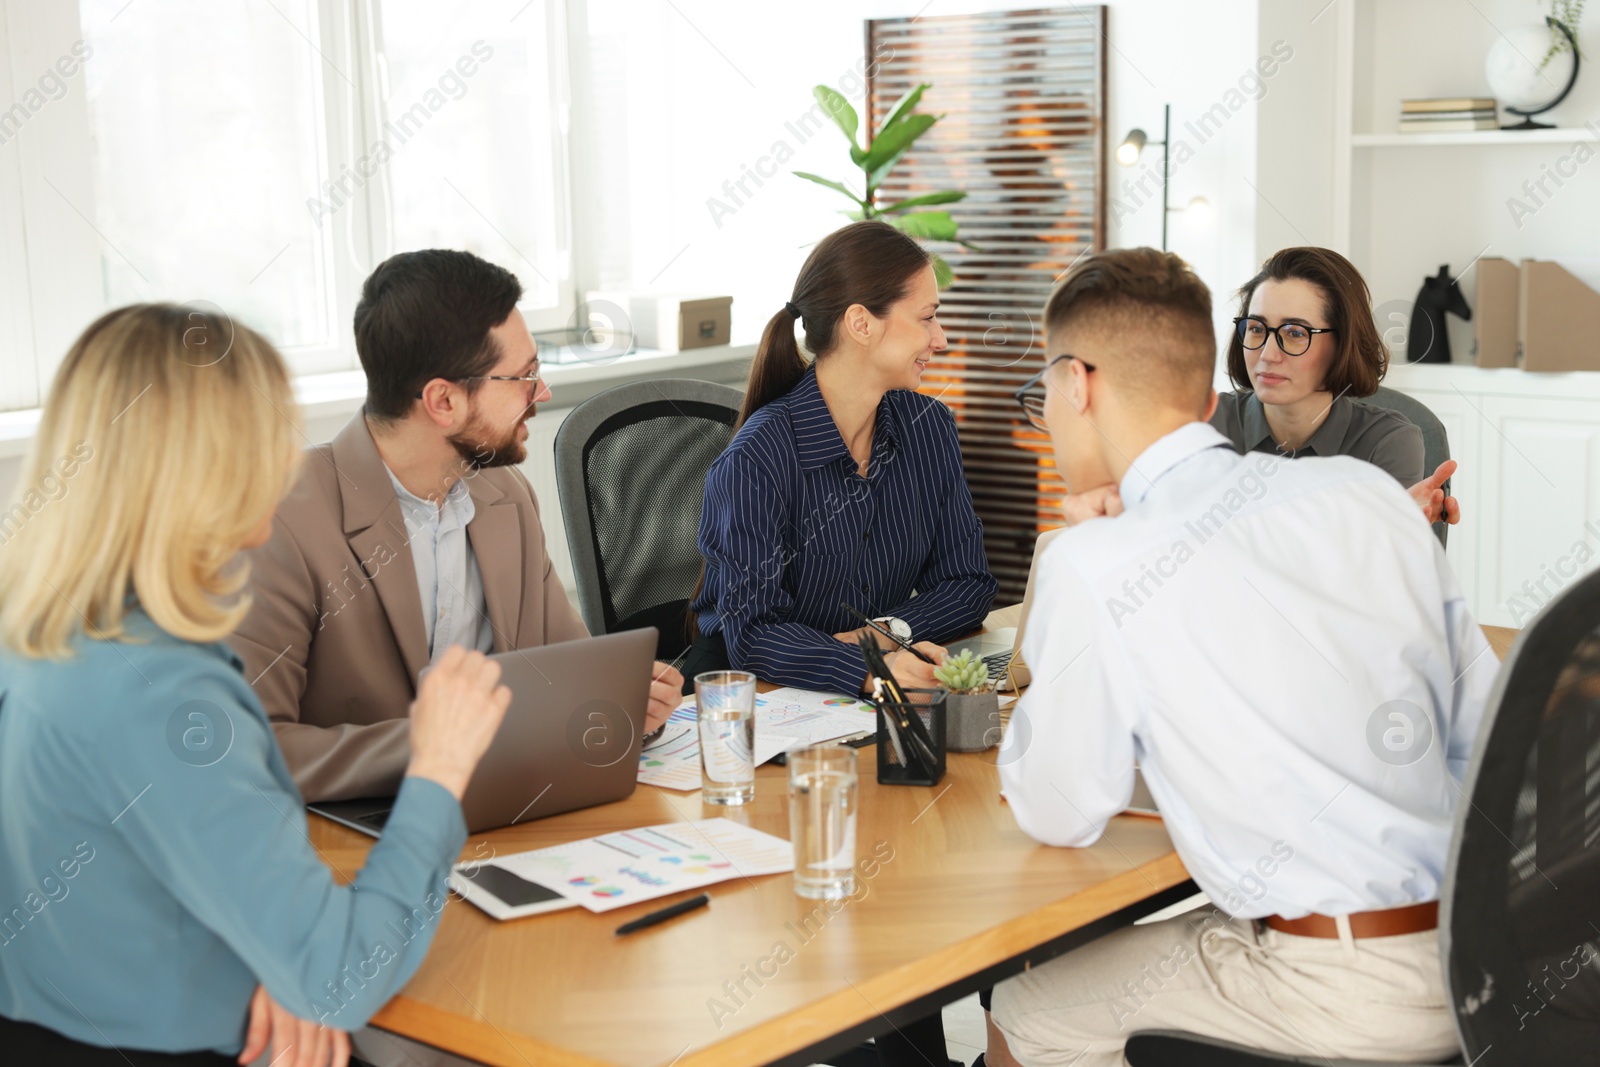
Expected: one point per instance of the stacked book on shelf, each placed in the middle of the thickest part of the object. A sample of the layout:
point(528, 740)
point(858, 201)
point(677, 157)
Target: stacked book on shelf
point(1449, 115)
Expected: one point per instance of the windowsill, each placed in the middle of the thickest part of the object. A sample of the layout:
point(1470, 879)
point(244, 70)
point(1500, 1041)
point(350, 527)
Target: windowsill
point(341, 393)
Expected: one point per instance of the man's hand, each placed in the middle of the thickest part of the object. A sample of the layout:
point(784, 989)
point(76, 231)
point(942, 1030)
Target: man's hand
point(666, 693)
point(296, 1042)
point(1429, 495)
point(1106, 500)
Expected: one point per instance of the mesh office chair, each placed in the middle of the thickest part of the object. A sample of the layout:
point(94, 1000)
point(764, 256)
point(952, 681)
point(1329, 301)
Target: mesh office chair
point(1435, 444)
point(1520, 921)
point(631, 470)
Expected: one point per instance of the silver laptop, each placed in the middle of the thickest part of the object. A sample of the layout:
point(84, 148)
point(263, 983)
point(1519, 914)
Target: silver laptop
point(570, 738)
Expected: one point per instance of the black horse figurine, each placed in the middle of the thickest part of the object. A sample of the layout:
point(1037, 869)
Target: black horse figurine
point(1427, 341)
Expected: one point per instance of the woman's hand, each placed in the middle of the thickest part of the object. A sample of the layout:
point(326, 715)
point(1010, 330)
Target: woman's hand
point(666, 693)
point(1429, 495)
point(907, 669)
point(1103, 501)
point(457, 711)
point(910, 671)
point(295, 1042)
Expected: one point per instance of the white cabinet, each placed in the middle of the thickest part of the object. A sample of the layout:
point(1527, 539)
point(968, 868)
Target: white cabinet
point(1542, 469)
point(1529, 483)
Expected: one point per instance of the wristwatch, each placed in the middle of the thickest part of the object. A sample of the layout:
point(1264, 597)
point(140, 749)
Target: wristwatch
point(899, 627)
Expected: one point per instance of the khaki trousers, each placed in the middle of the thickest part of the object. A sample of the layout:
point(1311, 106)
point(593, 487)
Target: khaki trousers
point(1231, 979)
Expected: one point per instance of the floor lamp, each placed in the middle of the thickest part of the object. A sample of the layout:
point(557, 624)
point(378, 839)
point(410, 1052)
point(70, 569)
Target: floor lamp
point(1133, 146)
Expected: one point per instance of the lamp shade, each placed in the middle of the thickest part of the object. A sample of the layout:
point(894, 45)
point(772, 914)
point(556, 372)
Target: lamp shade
point(1128, 151)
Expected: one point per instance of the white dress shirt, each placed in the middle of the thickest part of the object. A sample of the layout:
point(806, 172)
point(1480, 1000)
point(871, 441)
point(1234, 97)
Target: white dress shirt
point(453, 608)
point(1283, 648)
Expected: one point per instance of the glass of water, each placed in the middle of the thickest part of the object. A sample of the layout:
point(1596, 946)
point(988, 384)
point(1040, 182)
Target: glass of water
point(822, 820)
point(726, 712)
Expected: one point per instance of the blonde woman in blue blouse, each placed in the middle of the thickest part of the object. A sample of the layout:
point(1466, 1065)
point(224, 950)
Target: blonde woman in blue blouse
point(161, 902)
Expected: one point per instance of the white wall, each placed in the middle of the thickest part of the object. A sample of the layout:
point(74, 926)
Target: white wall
point(688, 95)
point(681, 97)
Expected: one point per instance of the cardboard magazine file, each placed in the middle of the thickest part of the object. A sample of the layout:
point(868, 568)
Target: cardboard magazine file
point(1495, 316)
point(1559, 319)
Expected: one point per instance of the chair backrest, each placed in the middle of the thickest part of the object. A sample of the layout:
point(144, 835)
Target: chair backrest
point(631, 470)
point(1435, 443)
point(1520, 930)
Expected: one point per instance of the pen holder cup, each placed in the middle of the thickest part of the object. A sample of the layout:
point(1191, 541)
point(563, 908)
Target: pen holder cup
point(901, 760)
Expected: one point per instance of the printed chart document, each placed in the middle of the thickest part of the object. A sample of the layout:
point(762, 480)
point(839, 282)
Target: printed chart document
point(615, 870)
point(785, 718)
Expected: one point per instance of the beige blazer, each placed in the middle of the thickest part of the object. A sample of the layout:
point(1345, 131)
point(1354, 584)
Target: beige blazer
point(335, 639)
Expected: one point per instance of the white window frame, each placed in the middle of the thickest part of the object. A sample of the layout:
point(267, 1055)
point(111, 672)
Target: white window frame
point(49, 294)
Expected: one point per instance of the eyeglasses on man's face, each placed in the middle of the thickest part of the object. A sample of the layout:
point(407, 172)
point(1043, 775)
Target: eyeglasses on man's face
point(1294, 339)
point(1031, 395)
point(531, 379)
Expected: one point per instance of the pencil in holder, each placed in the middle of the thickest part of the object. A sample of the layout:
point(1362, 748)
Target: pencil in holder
point(911, 738)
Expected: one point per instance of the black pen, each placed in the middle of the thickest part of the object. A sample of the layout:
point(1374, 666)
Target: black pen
point(904, 645)
point(665, 913)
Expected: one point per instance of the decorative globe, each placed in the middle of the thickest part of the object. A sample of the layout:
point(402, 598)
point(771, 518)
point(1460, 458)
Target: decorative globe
point(1513, 68)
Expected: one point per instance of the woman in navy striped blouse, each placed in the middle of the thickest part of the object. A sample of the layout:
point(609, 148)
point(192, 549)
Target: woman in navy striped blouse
point(843, 485)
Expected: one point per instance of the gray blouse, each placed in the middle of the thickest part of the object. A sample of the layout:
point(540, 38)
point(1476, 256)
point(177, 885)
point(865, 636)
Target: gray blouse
point(1381, 437)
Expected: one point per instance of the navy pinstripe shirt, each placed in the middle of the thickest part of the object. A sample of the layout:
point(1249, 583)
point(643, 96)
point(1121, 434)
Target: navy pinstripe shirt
point(790, 529)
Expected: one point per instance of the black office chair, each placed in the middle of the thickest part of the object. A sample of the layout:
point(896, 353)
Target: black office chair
point(1435, 443)
point(631, 470)
point(1520, 920)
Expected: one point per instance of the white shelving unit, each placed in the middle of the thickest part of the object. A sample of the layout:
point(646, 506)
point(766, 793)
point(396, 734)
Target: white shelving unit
point(1477, 138)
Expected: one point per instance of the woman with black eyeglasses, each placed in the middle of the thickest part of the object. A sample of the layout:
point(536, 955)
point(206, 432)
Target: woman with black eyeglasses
point(1303, 354)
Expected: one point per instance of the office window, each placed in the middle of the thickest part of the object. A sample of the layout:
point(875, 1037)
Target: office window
point(262, 157)
point(482, 92)
point(206, 140)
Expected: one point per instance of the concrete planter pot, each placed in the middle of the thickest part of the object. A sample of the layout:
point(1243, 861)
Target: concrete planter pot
point(972, 721)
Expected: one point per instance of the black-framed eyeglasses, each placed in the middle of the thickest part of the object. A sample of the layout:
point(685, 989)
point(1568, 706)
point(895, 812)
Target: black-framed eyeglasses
point(1294, 339)
point(1031, 396)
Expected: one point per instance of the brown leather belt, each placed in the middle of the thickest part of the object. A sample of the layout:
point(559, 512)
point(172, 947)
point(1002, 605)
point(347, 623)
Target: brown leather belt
point(1391, 922)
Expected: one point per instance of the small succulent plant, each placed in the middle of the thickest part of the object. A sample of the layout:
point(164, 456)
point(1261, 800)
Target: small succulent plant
point(963, 674)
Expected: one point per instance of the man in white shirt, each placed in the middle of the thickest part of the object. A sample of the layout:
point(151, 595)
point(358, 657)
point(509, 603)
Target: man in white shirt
point(1283, 648)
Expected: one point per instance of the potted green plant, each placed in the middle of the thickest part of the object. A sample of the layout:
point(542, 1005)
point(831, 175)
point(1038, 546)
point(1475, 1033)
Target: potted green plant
point(972, 710)
point(901, 128)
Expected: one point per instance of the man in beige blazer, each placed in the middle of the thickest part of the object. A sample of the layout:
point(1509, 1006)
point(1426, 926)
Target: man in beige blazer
point(410, 531)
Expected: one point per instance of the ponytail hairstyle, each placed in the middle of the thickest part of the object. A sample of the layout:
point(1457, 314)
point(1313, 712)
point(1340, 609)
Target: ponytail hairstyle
point(868, 263)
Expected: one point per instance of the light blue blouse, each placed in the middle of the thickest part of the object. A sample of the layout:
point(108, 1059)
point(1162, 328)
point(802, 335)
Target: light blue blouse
point(154, 863)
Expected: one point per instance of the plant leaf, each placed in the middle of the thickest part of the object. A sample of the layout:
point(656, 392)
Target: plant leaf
point(949, 196)
point(829, 182)
point(942, 274)
point(928, 225)
point(891, 142)
point(839, 109)
point(905, 104)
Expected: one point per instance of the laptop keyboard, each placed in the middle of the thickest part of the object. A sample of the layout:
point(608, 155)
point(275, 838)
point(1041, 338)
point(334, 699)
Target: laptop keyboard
point(998, 662)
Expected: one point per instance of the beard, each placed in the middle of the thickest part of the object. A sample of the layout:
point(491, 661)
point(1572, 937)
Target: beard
point(479, 446)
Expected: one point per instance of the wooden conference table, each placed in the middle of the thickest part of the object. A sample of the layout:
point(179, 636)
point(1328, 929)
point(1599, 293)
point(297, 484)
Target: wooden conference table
point(961, 899)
